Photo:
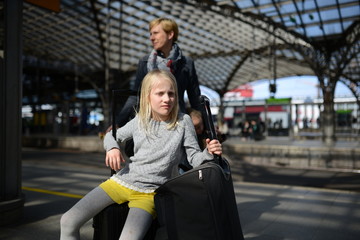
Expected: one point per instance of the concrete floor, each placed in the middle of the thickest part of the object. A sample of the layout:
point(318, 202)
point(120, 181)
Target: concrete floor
point(54, 179)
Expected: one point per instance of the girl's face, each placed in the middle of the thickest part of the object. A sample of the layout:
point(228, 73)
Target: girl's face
point(162, 99)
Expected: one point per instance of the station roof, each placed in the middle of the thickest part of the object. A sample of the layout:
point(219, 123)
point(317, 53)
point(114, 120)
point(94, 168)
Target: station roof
point(232, 42)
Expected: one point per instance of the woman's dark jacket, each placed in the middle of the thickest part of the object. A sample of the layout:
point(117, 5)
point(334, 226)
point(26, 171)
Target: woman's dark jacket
point(186, 78)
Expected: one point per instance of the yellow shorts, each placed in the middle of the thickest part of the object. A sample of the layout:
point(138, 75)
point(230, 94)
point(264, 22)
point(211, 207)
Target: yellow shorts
point(121, 194)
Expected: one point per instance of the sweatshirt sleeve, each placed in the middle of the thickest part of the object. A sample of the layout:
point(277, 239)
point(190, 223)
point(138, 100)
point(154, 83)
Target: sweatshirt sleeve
point(194, 154)
point(110, 142)
point(122, 134)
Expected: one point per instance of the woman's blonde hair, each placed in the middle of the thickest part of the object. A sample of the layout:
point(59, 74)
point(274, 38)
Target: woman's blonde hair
point(168, 25)
point(145, 111)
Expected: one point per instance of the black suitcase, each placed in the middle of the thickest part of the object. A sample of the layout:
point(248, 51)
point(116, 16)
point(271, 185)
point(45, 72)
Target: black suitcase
point(109, 223)
point(199, 204)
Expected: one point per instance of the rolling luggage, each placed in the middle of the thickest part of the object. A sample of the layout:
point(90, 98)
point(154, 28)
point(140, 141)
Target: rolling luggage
point(109, 223)
point(199, 204)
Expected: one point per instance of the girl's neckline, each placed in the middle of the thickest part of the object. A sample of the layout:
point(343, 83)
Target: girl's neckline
point(159, 121)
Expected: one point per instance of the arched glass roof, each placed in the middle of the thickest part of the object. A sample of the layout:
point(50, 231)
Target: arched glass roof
point(232, 42)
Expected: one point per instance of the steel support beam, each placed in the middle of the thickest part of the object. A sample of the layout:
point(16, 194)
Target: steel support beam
point(11, 198)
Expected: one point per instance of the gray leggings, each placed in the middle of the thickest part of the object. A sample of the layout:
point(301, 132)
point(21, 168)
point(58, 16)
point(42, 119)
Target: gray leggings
point(136, 225)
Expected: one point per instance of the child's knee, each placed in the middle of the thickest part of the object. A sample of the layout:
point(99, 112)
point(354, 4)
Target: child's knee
point(68, 229)
point(66, 221)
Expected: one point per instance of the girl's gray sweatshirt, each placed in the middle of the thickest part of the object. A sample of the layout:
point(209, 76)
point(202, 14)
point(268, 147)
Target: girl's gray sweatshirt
point(156, 156)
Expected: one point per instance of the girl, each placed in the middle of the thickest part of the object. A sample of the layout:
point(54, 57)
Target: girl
point(162, 136)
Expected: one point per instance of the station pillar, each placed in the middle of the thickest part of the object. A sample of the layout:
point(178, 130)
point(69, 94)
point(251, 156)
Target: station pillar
point(11, 197)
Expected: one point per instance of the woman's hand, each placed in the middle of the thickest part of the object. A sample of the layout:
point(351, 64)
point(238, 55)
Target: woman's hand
point(214, 146)
point(114, 159)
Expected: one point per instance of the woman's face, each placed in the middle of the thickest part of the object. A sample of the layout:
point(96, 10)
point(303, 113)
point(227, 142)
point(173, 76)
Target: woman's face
point(160, 40)
point(162, 99)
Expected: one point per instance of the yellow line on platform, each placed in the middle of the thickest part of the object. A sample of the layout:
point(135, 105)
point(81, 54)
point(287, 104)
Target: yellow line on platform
point(52, 192)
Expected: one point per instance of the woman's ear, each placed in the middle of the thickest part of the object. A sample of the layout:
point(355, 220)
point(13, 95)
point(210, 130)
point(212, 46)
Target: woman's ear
point(171, 35)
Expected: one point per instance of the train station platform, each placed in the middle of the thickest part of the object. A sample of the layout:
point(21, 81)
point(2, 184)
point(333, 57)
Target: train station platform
point(54, 179)
point(271, 151)
point(305, 154)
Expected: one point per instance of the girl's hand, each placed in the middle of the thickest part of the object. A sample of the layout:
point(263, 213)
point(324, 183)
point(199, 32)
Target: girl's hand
point(114, 159)
point(214, 146)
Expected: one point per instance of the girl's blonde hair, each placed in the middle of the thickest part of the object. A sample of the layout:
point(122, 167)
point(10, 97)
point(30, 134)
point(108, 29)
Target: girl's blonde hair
point(145, 112)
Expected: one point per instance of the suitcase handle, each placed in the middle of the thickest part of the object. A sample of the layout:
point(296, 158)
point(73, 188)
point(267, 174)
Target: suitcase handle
point(209, 124)
point(115, 93)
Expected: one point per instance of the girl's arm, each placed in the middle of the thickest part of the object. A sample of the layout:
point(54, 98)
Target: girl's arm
point(113, 156)
point(114, 159)
point(213, 146)
point(194, 155)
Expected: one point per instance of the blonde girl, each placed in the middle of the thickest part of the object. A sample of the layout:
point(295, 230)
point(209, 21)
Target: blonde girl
point(162, 137)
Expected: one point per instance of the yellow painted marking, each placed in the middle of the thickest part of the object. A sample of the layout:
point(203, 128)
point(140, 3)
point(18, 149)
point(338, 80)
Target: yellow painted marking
point(52, 192)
